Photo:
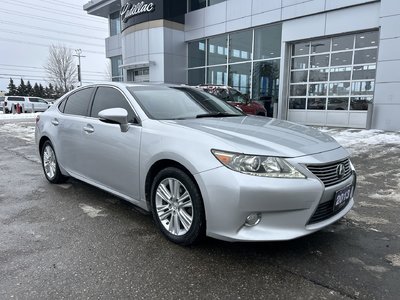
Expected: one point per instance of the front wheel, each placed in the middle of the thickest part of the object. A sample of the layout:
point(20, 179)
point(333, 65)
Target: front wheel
point(50, 164)
point(177, 207)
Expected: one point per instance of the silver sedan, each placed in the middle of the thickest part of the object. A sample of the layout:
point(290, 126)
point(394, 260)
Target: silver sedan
point(200, 166)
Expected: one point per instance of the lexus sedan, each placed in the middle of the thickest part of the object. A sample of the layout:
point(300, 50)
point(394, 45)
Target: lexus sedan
point(199, 165)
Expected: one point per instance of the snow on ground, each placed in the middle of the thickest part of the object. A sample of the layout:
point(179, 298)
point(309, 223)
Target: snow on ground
point(4, 116)
point(360, 141)
point(24, 131)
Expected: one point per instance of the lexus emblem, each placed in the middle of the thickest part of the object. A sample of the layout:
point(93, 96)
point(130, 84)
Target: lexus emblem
point(340, 170)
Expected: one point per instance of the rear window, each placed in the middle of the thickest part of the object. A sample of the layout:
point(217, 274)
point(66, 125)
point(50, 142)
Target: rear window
point(2, 98)
point(16, 99)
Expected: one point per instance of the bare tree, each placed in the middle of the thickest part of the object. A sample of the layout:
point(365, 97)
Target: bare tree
point(61, 68)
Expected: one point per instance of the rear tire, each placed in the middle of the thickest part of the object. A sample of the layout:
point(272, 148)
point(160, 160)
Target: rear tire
point(50, 164)
point(177, 207)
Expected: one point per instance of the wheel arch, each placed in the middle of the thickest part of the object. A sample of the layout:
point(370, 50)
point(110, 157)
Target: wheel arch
point(156, 168)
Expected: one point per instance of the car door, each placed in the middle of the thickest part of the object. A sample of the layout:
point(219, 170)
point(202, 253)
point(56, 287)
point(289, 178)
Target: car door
point(112, 156)
point(70, 126)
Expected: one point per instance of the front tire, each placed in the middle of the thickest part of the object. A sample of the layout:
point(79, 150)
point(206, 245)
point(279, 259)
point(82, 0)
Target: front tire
point(177, 207)
point(50, 164)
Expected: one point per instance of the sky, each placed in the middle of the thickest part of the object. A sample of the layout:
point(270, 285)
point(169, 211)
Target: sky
point(28, 28)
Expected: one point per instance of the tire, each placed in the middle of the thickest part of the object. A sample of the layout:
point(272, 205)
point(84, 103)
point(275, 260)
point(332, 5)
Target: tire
point(177, 207)
point(50, 165)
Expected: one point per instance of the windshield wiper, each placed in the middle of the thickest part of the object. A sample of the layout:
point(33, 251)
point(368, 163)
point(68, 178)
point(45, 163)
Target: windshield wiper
point(217, 114)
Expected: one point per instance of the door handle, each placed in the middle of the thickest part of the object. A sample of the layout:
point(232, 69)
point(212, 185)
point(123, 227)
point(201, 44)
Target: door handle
point(55, 122)
point(88, 129)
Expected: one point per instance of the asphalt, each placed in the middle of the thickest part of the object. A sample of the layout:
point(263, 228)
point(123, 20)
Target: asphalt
point(74, 241)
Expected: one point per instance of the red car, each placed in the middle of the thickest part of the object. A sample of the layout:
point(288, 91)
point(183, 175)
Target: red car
point(235, 98)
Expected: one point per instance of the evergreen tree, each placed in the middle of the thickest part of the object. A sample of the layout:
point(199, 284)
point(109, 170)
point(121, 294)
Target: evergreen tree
point(42, 92)
point(29, 89)
point(51, 92)
point(36, 90)
point(21, 90)
point(12, 89)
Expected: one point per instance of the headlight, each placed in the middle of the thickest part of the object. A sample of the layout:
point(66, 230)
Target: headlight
point(267, 166)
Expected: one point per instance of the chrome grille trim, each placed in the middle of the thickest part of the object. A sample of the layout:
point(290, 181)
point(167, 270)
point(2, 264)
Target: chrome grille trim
point(327, 172)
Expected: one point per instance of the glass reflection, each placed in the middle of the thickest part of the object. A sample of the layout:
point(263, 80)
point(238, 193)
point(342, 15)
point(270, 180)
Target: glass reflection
point(196, 76)
point(343, 73)
point(363, 88)
point(217, 75)
point(319, 61)
point(360, 103)
point(300, 62)
point(298, 90)
point(339, 89)
point(240, 46)
point(318, 89)
point(367, 39)
point(342, 58)
point(217, 50)
point(365, 56)
point(297, 103)
point(316, 103)
point(301, 49)
point(343, 43)
point(364, 72)
point(319, 75)
point(299, 76)
point(320, 46)
point(197, 54)
point(338, 103)
point(267, 42)
point(239, 77)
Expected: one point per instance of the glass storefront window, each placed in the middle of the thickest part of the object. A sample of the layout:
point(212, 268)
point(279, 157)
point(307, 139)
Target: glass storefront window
point(196, 76)
point(318, 89)
point(239, 77)
point(365, 56)
point(300, 62)
point(240, 46)
point(298, 76)
point(316, 103)
point(319, 75)
point(197, 54)
point(217, 75)
point(363, 88)
point(319, 61)
point(367, 39)
point(342, 58)
point(339, 89)
point(343, 43)
point(116, 71)
point(301, 49)
point(297, 103)
point(266, 80)
point(115, 23)
point(217, 50)
point(320, 46)
point(341, 73)
point(364, 72)
point(338, 103)
point(360, 103)
point(197, 4)
point(267, 42)
point(298, 90)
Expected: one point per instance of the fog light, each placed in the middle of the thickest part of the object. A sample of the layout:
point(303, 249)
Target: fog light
point(253, 219)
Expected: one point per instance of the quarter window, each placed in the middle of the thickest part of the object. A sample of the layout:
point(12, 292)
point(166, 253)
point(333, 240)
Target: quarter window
point(106, 98)
point(78, 102)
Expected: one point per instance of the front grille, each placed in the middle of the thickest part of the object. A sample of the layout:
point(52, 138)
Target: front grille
point(324, 211)
point(327, 173)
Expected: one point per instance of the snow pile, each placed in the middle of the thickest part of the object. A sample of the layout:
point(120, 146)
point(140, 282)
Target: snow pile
point(23, 131)
point(18, 116)
point(363, 140)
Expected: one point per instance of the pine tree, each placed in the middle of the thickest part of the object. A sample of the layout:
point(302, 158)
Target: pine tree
point(21, 90)
point(12, 89)
point(42, 92)
point(51, 92)
point(29, 89)
point(36, 90)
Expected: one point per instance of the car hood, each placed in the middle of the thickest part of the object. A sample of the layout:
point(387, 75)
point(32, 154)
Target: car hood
point(262, 136)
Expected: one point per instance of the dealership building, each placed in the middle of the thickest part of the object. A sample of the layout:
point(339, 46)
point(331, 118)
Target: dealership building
point(321, 62)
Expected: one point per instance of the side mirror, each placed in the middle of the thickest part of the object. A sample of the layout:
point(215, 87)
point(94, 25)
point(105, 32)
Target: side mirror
point(115, 116)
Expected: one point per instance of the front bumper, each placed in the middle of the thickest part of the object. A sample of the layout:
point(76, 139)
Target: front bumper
point(285, 205)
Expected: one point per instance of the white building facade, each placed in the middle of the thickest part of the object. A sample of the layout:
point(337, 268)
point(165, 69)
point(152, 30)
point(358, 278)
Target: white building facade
point(321, 62)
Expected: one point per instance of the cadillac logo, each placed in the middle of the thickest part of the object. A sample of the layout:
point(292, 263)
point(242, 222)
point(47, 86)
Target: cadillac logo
point(340, 170)
point(130, 10)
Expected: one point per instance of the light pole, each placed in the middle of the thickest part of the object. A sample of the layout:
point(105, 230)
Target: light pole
point(79, 55)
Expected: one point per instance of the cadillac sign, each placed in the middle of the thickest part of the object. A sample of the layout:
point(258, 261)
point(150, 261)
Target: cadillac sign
point(130, 10)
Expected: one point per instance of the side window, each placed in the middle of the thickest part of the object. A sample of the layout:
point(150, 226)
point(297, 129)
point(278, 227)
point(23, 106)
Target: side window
point(110, 98)
point(16, 99)
point(78, 103)
point(33, 100)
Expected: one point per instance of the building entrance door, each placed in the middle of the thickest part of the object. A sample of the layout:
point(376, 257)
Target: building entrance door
point(138, 75)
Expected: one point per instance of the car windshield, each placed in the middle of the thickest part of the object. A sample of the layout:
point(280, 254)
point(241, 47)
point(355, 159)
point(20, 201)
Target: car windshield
point(171, 103)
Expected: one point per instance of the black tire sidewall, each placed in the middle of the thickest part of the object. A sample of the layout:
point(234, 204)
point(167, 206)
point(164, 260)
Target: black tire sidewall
point(197, 229)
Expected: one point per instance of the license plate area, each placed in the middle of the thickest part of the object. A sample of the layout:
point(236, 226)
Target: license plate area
point(342, 197)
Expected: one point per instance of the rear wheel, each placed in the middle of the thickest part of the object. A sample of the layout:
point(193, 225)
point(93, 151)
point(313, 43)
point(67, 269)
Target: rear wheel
point(177, 207)
point(50, 164)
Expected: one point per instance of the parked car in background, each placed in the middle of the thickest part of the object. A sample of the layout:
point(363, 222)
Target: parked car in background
point(199, 165)
point(28, 104)
point(1, 102)
point(235, 98)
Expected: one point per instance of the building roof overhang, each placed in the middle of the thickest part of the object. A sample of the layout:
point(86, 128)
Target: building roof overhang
point(102, 8)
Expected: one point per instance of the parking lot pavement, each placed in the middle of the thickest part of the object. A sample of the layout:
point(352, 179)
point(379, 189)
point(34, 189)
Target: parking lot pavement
point(76, 241)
